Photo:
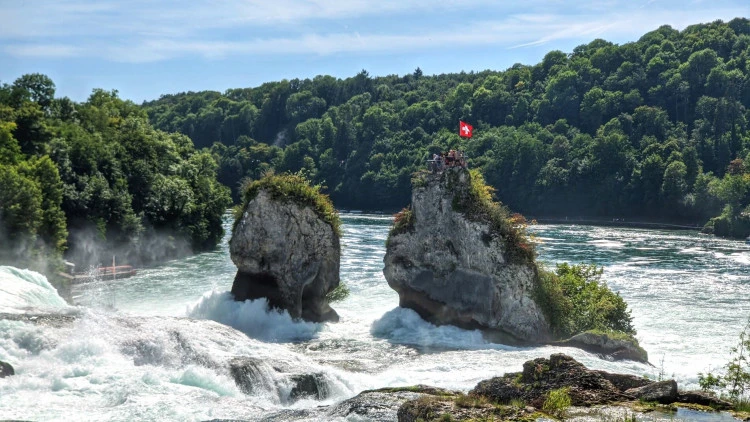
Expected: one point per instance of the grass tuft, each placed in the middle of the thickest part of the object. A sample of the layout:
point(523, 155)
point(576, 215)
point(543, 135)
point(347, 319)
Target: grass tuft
point(294, 188)
point(557, 402)
point(478, 204)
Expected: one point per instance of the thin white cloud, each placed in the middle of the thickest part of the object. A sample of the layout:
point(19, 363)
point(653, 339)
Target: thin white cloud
point(45, 50)
point(143, 31)
point(43, 18)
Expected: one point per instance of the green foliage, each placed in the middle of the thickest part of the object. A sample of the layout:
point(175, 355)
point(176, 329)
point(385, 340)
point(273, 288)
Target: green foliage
point(338, 294)
point(403, 222)
point(575, 300)
point(295, 188)
point(735, 382)
point(737, 377)
point(557, 402)
point(477, 204)
point(710, 382)
point(471, 401)
point(99, 172)
point(607, 130)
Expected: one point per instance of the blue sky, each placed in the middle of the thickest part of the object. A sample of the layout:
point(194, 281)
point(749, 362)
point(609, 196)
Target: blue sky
point(147, 48)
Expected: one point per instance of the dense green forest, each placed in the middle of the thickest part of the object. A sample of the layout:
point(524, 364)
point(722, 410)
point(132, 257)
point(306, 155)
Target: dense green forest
point(96, 179)
point(655, 129)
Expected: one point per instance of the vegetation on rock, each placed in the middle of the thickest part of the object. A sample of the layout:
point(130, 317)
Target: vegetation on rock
point(477, 203)
point(338, 294)
point(403, 222)
point(557, 402)
point(575, 300)
point(548, 388)
point(295, 188)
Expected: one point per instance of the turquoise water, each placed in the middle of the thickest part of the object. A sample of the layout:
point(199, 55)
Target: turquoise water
point(155, 346)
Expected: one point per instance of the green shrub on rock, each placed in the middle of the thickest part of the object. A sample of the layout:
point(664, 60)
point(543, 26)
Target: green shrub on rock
point(575, 299)
point(477, 203)
point(557, 402)
point(295, 188)
point(403, 222)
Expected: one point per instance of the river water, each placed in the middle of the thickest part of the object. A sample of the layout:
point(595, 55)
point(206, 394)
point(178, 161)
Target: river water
point(156, 346)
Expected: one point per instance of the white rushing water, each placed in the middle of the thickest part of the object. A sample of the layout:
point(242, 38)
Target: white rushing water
point(163, 352)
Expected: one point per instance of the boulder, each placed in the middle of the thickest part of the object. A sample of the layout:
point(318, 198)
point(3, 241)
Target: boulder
point(608, 346)
point(703, 399)
point(253, 375)
point(382, 405)
point(6, 370)
point(540, 376)
point(452, 269)
point(664, 392)
point(309, 386)
point(285, 252)
point(624, 381)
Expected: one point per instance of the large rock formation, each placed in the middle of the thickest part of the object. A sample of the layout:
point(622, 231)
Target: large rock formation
point(286, 253)
point(455, 270)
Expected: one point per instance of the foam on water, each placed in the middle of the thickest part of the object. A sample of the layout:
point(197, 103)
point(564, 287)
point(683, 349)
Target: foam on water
point(21, 289)
point(253, 317)
point(404, 326)
point(105, 366)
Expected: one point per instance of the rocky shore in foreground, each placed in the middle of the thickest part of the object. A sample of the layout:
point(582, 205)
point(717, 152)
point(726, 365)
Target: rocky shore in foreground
point(554, 388)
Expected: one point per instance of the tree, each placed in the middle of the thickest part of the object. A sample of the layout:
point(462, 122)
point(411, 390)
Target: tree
point(35, 87)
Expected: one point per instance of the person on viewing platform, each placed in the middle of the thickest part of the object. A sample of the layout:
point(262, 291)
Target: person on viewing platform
point(454, 158)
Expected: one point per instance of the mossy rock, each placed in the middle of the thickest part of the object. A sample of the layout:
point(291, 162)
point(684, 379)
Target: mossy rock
point(294, 188)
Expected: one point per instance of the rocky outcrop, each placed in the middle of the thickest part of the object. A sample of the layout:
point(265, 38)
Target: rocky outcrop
point(455, 270)
point(312, 386)
point(256, 375)
point(703, 399)
point(662, 391)
point(6, 370)
point(608, 346)
point(288, 254)
point(382, 405)
point(499, 398)
point(540, 376)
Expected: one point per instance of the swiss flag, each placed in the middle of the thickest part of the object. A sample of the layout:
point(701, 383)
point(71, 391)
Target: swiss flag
point(464, 129)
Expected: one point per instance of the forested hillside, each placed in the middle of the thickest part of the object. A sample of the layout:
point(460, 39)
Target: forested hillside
point(95, 179)
point(654, 129)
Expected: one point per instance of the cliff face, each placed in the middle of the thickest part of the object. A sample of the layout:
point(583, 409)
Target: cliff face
point(452, 270)
point(288, 254)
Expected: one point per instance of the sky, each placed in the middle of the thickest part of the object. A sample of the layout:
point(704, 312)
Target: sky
point(147, 48)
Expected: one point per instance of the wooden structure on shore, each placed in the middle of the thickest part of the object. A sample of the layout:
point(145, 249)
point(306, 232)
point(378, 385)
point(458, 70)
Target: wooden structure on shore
point(101, 273)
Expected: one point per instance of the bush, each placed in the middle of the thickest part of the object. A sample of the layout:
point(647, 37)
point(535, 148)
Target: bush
point(293, 188)
point(338, 294)
point(557, 402)
point(403, 222)
point(574, 300)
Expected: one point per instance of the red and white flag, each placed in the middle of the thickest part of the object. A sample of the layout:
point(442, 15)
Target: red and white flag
point(464, 129)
